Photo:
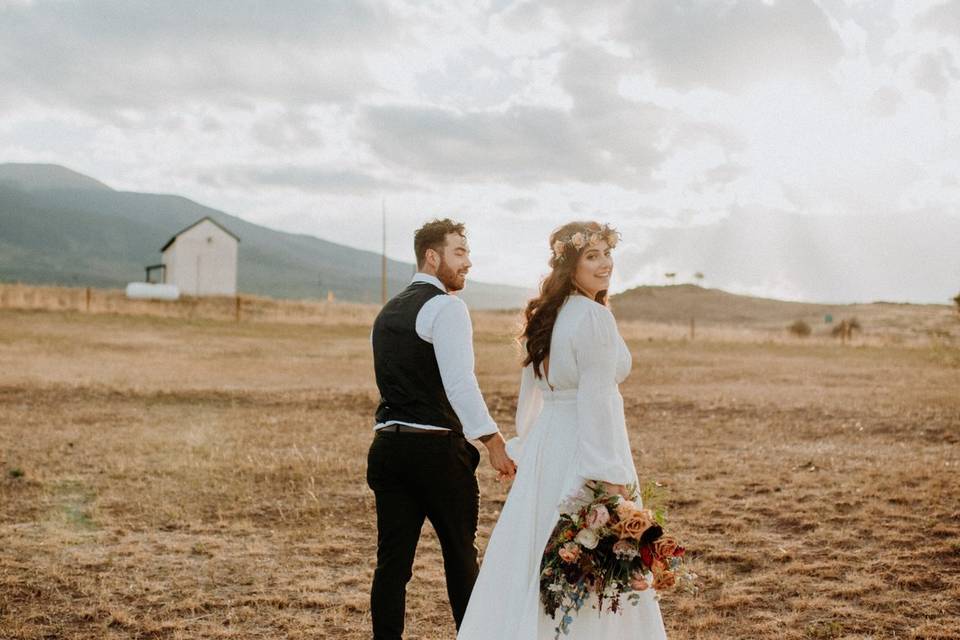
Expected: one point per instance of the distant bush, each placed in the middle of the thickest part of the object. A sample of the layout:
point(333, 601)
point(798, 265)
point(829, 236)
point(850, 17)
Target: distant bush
point(957, 300)
point(800, 329)
point(844, 330)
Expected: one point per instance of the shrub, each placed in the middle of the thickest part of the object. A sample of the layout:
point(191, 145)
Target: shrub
point(845, 329)
point(800, 329)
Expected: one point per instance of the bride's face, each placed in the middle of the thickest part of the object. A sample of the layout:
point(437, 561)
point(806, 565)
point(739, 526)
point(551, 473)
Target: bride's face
point(594, 268)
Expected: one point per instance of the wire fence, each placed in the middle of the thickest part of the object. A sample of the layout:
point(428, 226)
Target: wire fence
point(241, 308)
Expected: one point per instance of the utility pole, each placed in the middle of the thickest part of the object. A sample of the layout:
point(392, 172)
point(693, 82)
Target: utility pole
point(383, 254)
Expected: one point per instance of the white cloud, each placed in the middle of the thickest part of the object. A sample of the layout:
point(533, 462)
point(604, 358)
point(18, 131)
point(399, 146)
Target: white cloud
point(106, 56)
point(731, 45)
point(511, 115)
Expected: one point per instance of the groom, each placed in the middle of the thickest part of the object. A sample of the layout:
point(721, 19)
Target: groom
point(420, 464)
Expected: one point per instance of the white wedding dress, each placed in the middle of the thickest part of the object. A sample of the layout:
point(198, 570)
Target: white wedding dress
point(569, 430)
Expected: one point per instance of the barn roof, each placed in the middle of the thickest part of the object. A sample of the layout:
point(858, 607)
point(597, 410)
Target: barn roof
point(184, 230)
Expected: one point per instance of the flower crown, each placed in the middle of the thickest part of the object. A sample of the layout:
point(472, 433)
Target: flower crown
point(581, 239)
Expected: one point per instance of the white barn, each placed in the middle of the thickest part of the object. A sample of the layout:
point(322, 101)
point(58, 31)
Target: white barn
point(201, 260)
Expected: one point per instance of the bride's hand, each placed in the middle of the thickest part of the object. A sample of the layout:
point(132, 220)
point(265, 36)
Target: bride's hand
point(496, 447)
point(616, 490)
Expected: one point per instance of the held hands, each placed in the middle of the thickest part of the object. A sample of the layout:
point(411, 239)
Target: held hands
point(496, 448)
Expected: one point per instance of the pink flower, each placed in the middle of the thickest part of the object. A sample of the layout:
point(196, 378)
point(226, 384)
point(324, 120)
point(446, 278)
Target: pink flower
point(625, 508)
point(598, 517)
point(570, 552)
point(611, 237)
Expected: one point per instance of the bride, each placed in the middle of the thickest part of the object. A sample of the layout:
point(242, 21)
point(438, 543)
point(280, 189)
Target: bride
point(570, 429)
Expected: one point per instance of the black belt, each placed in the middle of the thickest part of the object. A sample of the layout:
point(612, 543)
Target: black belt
point(403, 428)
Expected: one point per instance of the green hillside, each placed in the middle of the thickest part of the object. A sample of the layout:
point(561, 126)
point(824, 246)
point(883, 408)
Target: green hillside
point(59, 227)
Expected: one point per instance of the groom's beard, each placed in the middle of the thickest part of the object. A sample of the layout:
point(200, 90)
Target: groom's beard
point(452, 280)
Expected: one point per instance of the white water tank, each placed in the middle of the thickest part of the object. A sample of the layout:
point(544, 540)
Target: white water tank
point(150, 291)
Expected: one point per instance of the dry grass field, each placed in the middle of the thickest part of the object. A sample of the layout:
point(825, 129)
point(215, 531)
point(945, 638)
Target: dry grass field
point(177, 477)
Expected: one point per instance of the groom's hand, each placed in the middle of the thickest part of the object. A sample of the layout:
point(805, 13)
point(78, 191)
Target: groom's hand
point(496, 448)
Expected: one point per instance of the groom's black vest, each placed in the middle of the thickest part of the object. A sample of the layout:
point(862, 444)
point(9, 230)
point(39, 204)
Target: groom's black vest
point(411, 389)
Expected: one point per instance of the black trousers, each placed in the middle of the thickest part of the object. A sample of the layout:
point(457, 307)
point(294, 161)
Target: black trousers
point(413, 477)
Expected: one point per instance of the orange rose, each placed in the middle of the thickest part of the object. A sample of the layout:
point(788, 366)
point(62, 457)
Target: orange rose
point(638, 582)
point(664, 580)
point(634, 524)
point(665, 546)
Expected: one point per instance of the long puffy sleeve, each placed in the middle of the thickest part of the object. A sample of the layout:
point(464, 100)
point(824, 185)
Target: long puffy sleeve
point(604, 447)
point(529, 405)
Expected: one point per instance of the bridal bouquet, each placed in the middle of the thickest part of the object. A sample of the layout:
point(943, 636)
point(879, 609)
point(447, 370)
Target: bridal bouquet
point(608, 546)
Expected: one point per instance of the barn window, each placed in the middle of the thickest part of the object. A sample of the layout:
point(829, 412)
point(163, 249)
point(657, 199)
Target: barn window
point(209, 239)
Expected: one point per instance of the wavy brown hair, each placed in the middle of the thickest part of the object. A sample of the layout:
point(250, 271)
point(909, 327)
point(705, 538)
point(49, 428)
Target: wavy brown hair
point(541, 312)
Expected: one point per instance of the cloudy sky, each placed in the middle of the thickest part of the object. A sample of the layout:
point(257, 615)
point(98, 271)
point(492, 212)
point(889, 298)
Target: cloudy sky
point(512, 116)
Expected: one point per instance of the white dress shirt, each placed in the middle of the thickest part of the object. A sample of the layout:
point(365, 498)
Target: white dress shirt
point(444, 321)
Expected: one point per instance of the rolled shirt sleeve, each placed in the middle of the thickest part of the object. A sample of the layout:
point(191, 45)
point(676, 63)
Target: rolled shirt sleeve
point(453, 345)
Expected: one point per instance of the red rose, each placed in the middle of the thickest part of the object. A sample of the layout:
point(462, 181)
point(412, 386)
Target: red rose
point(646, 555)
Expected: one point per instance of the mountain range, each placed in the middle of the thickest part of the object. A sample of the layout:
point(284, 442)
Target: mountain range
point(61, 227)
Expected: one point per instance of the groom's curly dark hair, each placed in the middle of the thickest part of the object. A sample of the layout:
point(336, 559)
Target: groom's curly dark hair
point(433, 235)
